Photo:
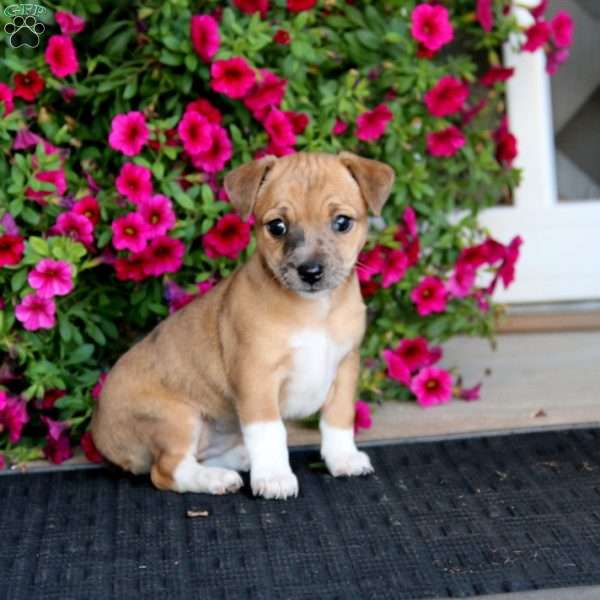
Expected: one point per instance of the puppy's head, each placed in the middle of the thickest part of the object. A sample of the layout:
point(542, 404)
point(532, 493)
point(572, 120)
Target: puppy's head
point(311, 213)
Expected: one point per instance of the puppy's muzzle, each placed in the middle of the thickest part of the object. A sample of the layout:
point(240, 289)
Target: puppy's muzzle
point(310, 272)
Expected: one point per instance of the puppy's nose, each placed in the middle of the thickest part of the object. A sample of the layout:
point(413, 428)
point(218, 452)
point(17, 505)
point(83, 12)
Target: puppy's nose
point(310, 272)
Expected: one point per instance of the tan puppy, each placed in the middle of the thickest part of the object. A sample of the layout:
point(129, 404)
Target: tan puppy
point(204, 395)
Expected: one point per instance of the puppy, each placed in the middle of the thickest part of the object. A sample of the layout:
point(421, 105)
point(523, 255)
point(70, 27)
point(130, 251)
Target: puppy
point(204, 395)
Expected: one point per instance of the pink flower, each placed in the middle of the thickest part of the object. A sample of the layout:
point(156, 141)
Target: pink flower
point(205, 109)
point(394, 268)
point(446, 142)
point(61, 56)
point(232, 77)
point(506, 147)
point(97, 389)
point(134, 182)
point(12, 248)
point(415, 353)
point(2, 462)
point(461, 282)
point(131, 268)
point(268, 91)
point(56, 178)
point(89, 448)
point(408, 235)
point(537, 35)
point(429, 296)
point(130, 232)
point(13, 416)
point(49, 399)
point(537, 12)
point(51, 278)
point(218, 154)
point(177, 297)
point(562, 29)
point(128, 133)
point(36, 312)
point(68, 22)
point(195, 133)
point(507, 269)
point(430, 25)
point(282, 37)
point(432, 386)
point(206, 39)
point(279, 128)
point(228, 237)
point(470, 394)
point(8, 223)
point(371, 125)
point(163, 255)
point(298, 120)
point(370, 263)
point(300, 5)
point(447, 96)
point(496, 74)
point(484, 14)
point(473, 256)
point(396, 367)
point(6, 98)
point(206, 285)
point(362, 416)
point(158, 214)
point(339, 127)
point(88, 207)
point(58, 447)
point(555, 59)
point(75, 226)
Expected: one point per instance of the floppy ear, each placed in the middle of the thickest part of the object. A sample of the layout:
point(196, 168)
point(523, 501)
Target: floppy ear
point(243, 183)
point(374, 178)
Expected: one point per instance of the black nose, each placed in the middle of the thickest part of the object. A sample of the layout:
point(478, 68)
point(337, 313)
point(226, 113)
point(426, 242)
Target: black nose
point(310, 272)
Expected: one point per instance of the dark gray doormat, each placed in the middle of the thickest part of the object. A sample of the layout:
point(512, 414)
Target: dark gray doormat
point(445, 519)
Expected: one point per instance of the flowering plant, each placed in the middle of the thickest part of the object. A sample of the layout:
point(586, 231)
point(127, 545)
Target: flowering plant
point(115, 139)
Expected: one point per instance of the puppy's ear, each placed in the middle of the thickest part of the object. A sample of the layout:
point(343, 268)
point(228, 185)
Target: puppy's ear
point(243, 183)
point(374, 178)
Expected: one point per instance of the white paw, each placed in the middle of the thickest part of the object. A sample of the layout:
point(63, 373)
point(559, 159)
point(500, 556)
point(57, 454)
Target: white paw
point(274, 485)
point(349, 464)
point(223, 481)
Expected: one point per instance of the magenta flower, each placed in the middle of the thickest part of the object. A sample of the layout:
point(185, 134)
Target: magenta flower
point(268, 91)
point(496, 74)
point(430, 25)
point(206, 39)
point(432, 386)
point(506, 271)
point(158, 214)
point(470, 394)
point(2, 462)
point(370, 263)
point(362, 416)
point(415, 353)
point(447, 96)
point(280, 129)
point(6, 99)
point(205, 109)
point(233, 77)
point(51, 278)
point(252, 6)
point(537, 35)
point(36, 312)
point(128, 133)
point(562, 29)
point(130, 232)
point(484, 14)
point(89, 208)
point(68, 22)
point(163, 255)
point(195, 133)
point(75, 226)
point(218, 154)
point(394, 268)
point(97, 389)
point(58, 447)
point(177, 297)
point(56, 178)
point(55, 428)
point(555, 59)
point(371, 125)
point(446, 142)
point(396, 367)
point(339, 127)
point(61, 56)
point(134, 182)
point(131, 268)
point(12, 248)
point(461, 281)
point(429, 296)
point(228, 237)
point(13, 416)
point(89, 448)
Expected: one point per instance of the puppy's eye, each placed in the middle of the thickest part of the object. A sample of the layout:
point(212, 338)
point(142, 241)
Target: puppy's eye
point(342, 223)
point(277, 228)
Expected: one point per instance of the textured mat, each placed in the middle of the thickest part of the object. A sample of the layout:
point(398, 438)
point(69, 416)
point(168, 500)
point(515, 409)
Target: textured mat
point(447, 519)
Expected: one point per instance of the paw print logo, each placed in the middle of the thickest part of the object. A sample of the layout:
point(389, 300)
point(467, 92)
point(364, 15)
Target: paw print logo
point(24, 31)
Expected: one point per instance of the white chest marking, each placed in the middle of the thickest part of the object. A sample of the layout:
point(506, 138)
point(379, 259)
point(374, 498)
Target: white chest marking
point(315, 363)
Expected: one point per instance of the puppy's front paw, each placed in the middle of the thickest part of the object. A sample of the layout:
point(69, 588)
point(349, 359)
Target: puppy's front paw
point(349, 464)
point(223, 481)
point(274, 485)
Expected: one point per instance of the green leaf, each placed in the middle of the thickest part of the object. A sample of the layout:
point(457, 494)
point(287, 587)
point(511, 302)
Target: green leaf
point(80, 355)
point(18, 280)
point(39, 245)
